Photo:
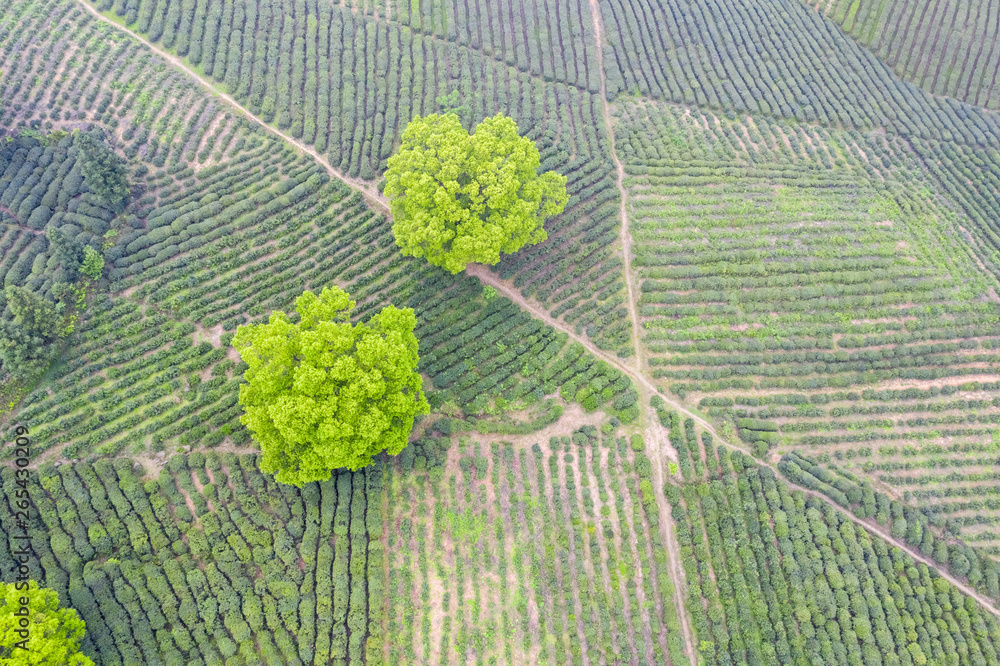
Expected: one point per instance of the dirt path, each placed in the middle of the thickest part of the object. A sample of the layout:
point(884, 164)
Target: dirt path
point(366, 188)
point(626, 236)
point(657, 447)
point(646, 385)
point(573, 418)
point(17, 222)
point(658, 452)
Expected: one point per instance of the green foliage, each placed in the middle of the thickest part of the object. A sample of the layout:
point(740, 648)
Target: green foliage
point(52, 635)
point(69, 252)
point(33, 313)
point(251, 559)
point(104, 172)
point(324, 394)
point(93, 263)
point(452, 103)
point(459, 198)
point(27, 342)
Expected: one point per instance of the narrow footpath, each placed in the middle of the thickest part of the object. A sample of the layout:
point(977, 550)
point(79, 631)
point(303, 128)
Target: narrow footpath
point(624, 233)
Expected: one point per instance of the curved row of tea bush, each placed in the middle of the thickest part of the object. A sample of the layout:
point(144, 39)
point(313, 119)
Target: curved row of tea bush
point(211, 562)
point(777, 576)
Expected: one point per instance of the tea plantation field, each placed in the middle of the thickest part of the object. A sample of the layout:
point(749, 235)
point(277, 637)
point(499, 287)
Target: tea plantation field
point(947, 48)
point(741, 406)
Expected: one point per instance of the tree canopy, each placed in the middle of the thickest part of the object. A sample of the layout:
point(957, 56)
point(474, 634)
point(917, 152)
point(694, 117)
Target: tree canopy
point(458, 198)
point(104, 171)
point(53, 633)
point(28, 340)
point(323, 394)
point(69, 251)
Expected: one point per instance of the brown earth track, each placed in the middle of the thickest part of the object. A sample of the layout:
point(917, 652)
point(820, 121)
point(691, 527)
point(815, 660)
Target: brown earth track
point(17, 222)
point(626, 237)
point(659, 601)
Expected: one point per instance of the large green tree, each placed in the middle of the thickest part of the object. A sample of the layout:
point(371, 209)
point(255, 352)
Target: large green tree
point(323, 394)
point(42, 634)
point(459, 198)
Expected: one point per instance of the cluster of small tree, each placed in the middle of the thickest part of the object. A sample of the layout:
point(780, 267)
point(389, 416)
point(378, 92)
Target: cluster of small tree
point(66, 187)
point(58, 185)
